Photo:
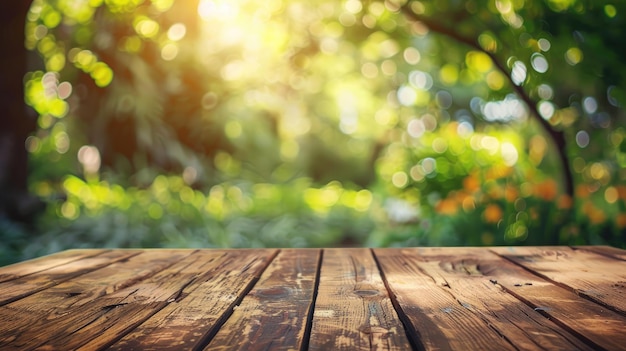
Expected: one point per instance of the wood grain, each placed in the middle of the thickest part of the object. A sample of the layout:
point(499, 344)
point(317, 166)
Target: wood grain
point(29, 284)
point(274, 314)
point(34, 313)
point(435, 319)
point(121, 310)
point(458, 272)
point(353, 310)
point(594, 324)
point(596, 277)
point(196, 313)
point(39, 264)
point(604, 250)
point(494, 298)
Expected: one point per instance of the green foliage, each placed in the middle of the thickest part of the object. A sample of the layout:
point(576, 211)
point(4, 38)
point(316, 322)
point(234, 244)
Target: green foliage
point(291, 123)
point(170, 213)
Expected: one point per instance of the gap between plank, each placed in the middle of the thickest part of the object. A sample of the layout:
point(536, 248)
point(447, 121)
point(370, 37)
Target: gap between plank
point(206, 339)
point(98, 252)
point(551, 318)
point(447, 290)
point(306, 338)
point(65, 278)
point(411, 333)
point(156, 310)
point(565, 286)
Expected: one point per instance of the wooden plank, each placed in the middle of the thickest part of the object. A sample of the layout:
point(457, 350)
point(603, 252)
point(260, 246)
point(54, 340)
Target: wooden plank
point(597, 277)
point(604, 250)
point(21, 317)
point(39, 264)
point(18, 288)
point(434, 318)
point(274, 314)
point(449, 298)
point(353, 310)
point(598, 327)
point(111, 316)
point(457, 271)
point(194, 315)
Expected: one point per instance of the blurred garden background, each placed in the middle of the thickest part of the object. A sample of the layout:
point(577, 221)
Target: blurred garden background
point(293, 123)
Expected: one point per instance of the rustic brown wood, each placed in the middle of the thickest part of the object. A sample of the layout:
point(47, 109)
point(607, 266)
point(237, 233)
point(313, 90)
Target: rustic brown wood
point(38, 310)
point(274, 314)
point(458, 273)
point(196, 312)
point(592, 323)
point(127, 306)
point(596, 277)
point(604, 250)
point(32, 283)
point(18, 270)
point(435, 318)
point(493, 298)
point(353, 310)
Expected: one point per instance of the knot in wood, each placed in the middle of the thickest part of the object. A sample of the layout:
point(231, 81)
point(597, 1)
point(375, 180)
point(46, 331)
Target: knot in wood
point(366, 292)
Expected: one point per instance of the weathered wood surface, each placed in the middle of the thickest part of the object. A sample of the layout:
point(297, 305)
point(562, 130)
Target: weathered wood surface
point(42, 263)
point(605, 250)
point(353, 310)
point(273, 316)
point(492, 298)
point(588, 274)
point(450, 301)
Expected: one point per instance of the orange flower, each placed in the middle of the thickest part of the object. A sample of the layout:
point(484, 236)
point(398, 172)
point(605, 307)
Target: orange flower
point(565, 202)
point(493, 213)
point(499, 171)
point(583, 191)
point(511, 193)
point(546, 190)
point(470, 183)
point(596, 215)
point(447, 207)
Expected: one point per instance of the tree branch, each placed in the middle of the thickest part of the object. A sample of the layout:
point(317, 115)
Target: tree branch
point(557, 136)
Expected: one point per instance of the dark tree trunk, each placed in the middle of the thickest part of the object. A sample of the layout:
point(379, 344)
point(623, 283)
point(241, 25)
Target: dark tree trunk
point(17, 121)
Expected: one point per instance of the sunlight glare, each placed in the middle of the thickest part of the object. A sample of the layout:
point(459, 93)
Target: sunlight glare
point(544, 44)
point(546, 109)
point(349, 114)
point(509, 109)
point(89, 158)
point(169, 52)
point(416, 128)
point(489, 143)
point(411, 55)
point(518, 73)
point(509, 154)
point(176, 32)
point(224, 11)
point(545, 92)
point(407, 95)
point(539, 63)
point(420, 80)
point(590, 104)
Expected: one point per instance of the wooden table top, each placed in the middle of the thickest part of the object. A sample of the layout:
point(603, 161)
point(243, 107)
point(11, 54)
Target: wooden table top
point(492, 298)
